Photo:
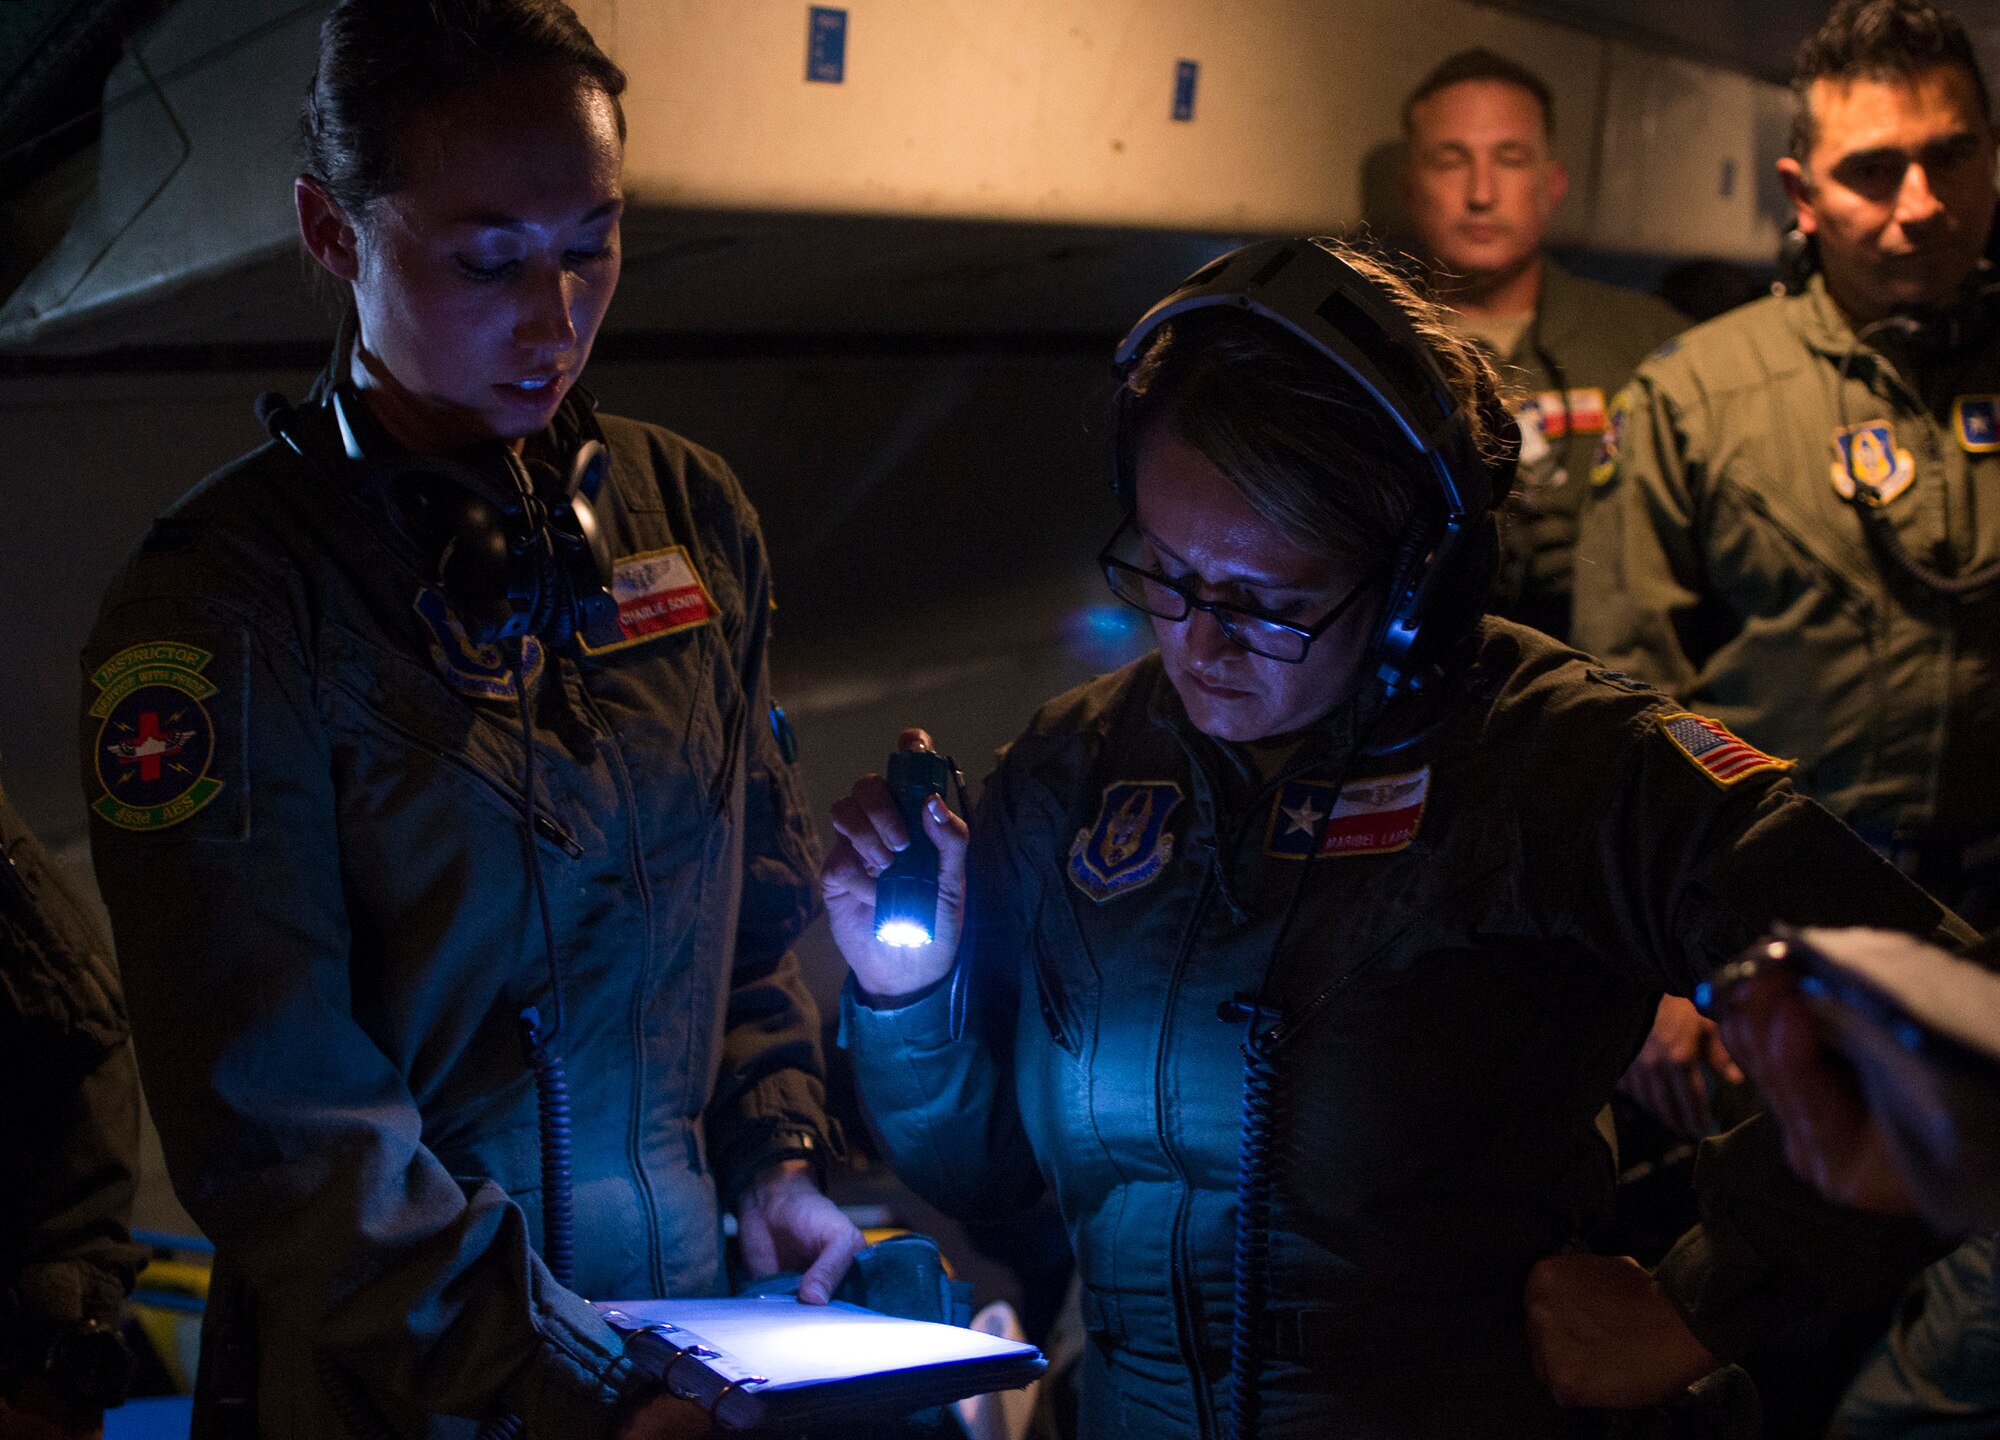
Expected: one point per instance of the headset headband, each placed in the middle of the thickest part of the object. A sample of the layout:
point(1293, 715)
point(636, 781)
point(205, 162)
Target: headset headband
point(1343, 315)
point(1314, 294)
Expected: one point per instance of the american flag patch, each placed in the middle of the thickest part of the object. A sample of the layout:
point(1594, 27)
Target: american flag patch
point(1711, 746)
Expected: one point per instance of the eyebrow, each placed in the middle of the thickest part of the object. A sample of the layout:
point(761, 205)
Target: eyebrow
point(1877, 153)
point(495, 220)
point(1261, 583)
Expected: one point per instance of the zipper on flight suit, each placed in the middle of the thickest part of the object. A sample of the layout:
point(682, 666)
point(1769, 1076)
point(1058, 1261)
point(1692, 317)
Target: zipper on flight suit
point(634, 1156)
point(1183, 1292)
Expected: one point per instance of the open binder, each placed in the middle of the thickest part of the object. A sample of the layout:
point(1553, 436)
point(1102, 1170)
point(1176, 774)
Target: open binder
point(768, 1361)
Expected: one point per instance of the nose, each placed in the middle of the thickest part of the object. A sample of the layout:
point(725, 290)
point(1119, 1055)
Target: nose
point(1480, 197)
point(1916, 203)
point(1204, 641)
point(544, 322)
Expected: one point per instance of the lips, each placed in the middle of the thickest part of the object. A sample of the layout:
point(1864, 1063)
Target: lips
point(536, 390)
point(1217, 691)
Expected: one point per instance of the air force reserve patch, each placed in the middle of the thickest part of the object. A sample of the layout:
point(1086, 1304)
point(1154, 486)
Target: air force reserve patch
point(1372, 816)
point(1868, 459)
point(1975, 419)
point(480, 671)
point(1720, 754)
point(1129, 845)
point(156, 742)
point(1605, 465)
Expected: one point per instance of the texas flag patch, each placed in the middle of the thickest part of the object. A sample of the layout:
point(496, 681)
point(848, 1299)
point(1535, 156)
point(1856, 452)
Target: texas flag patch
point(1375, 816)
point(658, 593)
point(1710, 745)
point(1573, 412)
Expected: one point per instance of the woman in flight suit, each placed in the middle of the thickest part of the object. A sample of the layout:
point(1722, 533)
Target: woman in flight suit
point(397, 847)
point(1299, 956)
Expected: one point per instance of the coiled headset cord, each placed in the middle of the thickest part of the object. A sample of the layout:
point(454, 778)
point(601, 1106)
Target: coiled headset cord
point(1880, 530)
point(1257, 1162)
point(538, 1046)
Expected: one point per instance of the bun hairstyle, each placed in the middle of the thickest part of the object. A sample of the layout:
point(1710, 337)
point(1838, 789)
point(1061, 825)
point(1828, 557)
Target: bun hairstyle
point(383, 62)
point(1306, 446)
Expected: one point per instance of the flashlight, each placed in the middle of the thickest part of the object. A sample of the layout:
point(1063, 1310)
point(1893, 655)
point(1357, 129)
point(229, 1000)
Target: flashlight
point(906, 892)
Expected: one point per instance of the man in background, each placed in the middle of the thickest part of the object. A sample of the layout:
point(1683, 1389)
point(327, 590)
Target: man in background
point(1480, 182)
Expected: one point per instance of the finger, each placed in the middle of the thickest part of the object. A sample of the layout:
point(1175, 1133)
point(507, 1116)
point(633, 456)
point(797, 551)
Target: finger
point(760, 1249)
point(1720, 1060)
point(1688, 1099)
point(824, 1275)
point(862, 825)
point(914, 739)
point(843, 873)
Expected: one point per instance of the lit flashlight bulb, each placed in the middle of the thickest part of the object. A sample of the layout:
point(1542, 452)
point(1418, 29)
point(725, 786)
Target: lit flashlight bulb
point(906, 892)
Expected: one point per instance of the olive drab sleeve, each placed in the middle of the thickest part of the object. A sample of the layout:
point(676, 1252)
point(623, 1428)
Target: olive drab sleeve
point(291, 1137)
point(1638, 573)
point(769, 1101)
point(936, 1077)
point(1695, 845)
point(70, 1129)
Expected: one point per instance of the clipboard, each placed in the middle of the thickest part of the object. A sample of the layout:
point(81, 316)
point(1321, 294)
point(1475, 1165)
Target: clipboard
point(761, 1362)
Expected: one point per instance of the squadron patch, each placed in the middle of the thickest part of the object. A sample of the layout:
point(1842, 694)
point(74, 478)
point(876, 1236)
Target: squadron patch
point(480, 671)
point(1128, 846)
point(1606, 464)
point(157, 742)
point(1375, 816)
point(1723, 757)
point(658, 593)
point(1867, 458)
point(1975, 419)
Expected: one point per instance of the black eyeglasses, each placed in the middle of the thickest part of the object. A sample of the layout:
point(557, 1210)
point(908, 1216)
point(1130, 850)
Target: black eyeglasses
point(1251, 630)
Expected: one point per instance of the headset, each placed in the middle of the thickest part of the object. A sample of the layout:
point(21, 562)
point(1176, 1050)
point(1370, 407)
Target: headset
point(515, 548)
point(1444, 569)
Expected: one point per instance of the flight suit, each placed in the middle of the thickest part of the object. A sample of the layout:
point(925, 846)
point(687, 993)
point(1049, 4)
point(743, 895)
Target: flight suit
point(1718, 561)
point(1582, 345)
point(69, 1125)
point(308, 794)
point(1463, 973)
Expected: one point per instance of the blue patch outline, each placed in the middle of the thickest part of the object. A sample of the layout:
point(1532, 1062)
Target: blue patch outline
point(1102, 880)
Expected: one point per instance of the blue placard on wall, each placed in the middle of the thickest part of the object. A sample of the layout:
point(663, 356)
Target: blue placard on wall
point(1186, 72)
point(826, 44)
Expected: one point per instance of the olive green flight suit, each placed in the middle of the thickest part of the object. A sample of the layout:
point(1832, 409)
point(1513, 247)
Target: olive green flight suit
point(1585, 339)
point(1717, 561)
point(69, 1125)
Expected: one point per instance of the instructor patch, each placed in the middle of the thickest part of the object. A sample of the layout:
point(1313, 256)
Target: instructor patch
point(1710, 745)
point(1129, 845)
point(156, 744)
point(1868, 457)
point(1375, 816)
point(658, 593)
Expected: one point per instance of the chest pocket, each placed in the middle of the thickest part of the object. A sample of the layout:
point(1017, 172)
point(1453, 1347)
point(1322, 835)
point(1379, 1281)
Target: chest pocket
point(404, 727)
point(1067, 981)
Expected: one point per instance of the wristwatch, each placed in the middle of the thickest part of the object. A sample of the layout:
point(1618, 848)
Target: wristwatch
point(89, 1364)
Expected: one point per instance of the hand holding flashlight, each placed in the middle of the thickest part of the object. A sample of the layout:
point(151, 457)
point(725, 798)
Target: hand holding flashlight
point(894, 881)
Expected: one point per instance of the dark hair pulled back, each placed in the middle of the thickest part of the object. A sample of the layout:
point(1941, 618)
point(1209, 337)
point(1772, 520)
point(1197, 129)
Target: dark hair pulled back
point(381, 62)
point(1310, 451)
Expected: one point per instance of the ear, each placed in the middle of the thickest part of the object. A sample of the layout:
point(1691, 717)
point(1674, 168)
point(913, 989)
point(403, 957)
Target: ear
point(1557, 181)
point(325, 229)
point(1798, 189)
